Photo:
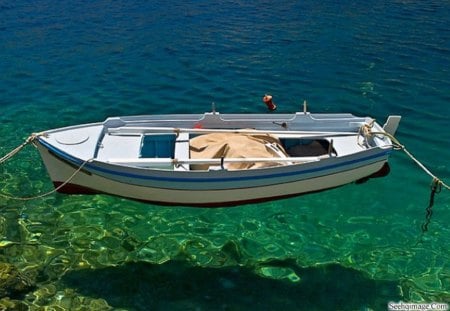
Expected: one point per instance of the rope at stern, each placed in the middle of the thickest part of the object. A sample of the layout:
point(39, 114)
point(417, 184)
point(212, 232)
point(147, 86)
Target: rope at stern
point(366, 131)
point(436, 184)
point(436, 180)
point(436, 187)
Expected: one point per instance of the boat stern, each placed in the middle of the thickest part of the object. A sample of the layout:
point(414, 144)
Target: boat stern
point(392, 124)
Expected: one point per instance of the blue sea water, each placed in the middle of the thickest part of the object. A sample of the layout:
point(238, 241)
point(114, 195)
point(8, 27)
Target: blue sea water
point(353, 248)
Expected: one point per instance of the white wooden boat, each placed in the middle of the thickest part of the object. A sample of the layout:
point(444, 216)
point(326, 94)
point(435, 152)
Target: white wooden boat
point(215, 159)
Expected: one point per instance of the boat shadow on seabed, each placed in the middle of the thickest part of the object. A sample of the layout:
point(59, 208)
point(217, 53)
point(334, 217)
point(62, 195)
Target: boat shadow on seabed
point(177, 285)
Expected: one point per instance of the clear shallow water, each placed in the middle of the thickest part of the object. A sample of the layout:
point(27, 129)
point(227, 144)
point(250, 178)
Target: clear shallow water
point(350, 248)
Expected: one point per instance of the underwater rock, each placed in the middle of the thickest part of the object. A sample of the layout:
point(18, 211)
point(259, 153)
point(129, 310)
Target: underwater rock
point(278, 273)
point(197, 251)
point(48, 298)
point(160, 249)
point(12, 282)
point(131, 243)
point(233, 251)
point(8, 304)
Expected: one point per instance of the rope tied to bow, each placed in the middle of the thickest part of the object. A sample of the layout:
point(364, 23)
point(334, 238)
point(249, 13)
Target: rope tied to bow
point(16, 150)
point(30, 140)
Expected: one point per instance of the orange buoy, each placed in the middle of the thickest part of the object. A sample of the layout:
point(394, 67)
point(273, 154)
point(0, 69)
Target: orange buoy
point(267, 99)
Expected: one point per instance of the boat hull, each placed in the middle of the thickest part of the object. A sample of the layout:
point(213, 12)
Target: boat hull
point(206, 189)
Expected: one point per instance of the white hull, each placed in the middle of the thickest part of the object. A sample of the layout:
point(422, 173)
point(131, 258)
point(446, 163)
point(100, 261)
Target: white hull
point(122, 173)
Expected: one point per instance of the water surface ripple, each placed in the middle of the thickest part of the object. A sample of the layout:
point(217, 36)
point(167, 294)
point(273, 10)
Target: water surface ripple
point(353, 248)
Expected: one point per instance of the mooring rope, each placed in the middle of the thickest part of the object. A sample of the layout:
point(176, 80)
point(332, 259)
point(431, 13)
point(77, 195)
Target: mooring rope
point(16, 150)
point(436, 187)
point(51, 191)
point(366, 131)
point(436, 184)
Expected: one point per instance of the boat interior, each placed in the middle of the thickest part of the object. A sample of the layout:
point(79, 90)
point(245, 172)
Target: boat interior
point(179, 146)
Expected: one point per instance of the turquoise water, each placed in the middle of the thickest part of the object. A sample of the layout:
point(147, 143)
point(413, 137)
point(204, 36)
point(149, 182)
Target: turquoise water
point(353, 248)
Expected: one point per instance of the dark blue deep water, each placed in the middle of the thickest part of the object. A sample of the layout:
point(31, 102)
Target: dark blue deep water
point(353, 248)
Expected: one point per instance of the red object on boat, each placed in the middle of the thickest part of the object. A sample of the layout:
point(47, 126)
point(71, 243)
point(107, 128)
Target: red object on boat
point(267, 99)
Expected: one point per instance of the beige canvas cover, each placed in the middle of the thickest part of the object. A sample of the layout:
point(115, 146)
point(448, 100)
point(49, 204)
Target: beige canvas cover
point(236, 145)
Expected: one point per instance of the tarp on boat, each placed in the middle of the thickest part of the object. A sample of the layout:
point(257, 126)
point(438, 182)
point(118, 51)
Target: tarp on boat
point(236, 145)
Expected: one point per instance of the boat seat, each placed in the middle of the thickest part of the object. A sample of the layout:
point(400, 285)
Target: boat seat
point(182, 151)
point(123, 146)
